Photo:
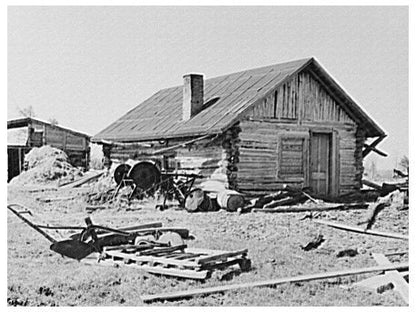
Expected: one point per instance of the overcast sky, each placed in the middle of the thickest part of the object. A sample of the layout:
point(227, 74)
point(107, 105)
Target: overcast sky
point(87, 66)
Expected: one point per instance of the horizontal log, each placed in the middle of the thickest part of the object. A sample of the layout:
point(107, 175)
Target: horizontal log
point(372, 184)
point(306, 209)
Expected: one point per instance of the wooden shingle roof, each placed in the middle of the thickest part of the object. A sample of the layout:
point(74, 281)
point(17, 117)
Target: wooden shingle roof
point(160, 116)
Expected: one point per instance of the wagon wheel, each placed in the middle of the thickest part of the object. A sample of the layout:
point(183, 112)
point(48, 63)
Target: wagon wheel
point(121, 172)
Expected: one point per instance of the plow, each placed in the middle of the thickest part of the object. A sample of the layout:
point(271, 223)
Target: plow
point(92, 238)
point(149, 247)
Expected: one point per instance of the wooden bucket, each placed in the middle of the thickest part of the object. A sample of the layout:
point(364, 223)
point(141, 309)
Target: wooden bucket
point(230, 200)
point(197, 200)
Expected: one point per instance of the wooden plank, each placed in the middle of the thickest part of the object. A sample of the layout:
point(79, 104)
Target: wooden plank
point(83, 180)
point(51, 199)
point(221, 256)
point(398, 280)
point(363, 231)
point(153, 259)
point(377, 282)
point(272, 282)
point(305, 209)
point(160, 251)
point(191, 274)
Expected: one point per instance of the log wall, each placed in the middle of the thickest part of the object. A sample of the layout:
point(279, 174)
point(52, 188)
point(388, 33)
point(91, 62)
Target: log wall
point(274, 131)
point(270, 156)
point(269, 147)
point(213, 158)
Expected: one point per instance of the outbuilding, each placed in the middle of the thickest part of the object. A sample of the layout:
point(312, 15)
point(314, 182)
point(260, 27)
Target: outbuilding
point(253, 131)
point(27, 132)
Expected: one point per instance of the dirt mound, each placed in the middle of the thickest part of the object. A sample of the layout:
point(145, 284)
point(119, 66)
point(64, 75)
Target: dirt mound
point(46, 164)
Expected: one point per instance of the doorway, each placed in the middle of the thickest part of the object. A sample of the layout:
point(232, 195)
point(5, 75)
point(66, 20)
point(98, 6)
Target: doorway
point(320, 163)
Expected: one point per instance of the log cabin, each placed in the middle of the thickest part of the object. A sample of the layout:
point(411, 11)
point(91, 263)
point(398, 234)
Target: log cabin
point(27, 132)
point(252, 131)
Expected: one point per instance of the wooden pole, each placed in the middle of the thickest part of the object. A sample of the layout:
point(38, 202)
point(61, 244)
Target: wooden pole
point(34, 226)
point(306, 209)
point(272, 282)
point(363, 231)
point(167, 149)
point(373, 145)
point(82, 180)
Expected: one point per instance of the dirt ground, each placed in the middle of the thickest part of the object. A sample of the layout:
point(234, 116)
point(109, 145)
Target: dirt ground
point(39, 277)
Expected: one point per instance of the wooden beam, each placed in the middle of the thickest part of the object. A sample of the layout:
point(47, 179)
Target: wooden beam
point(83, 180)
point(306, 209)
point(272, 282)
point(398, 280)
point(167, 149)
point(373, 145)
point(375, 150)
point(363, 231)
point(376, 186)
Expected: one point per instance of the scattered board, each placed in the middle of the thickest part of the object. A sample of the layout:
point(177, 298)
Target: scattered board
point(360, 230)
point(178, 261)
point(273, 282)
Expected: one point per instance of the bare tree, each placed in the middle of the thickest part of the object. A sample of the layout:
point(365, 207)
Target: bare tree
point(404, 162)
point(53, 121)
point(27, 111)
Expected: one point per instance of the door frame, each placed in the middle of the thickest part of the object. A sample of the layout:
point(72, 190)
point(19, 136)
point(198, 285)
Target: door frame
point(333, 158)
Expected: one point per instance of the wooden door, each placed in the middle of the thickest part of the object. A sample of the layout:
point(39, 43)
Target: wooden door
point(13, 163)
point(320, 163)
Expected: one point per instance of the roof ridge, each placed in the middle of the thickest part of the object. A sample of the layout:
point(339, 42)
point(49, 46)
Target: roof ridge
point(302, 60)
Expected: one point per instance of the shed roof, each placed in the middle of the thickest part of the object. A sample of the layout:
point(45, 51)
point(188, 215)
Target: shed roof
point(160, 116)
point(25, 121)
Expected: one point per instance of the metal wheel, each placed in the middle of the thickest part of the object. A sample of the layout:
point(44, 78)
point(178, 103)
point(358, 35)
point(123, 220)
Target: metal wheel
point(121, 172)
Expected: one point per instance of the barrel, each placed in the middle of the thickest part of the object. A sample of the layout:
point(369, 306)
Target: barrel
point(230, 200)
point(197, 200)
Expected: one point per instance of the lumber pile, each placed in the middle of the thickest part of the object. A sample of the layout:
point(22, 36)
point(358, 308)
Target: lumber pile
point(161, 250)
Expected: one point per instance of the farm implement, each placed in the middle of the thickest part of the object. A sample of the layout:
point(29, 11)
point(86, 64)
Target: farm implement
point(149, 247)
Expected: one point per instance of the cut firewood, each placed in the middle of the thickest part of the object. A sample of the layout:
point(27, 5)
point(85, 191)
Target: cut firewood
point(287, 201)
point(269, 198)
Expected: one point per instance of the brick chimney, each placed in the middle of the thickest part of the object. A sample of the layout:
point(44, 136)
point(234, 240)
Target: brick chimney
point(193, 95)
